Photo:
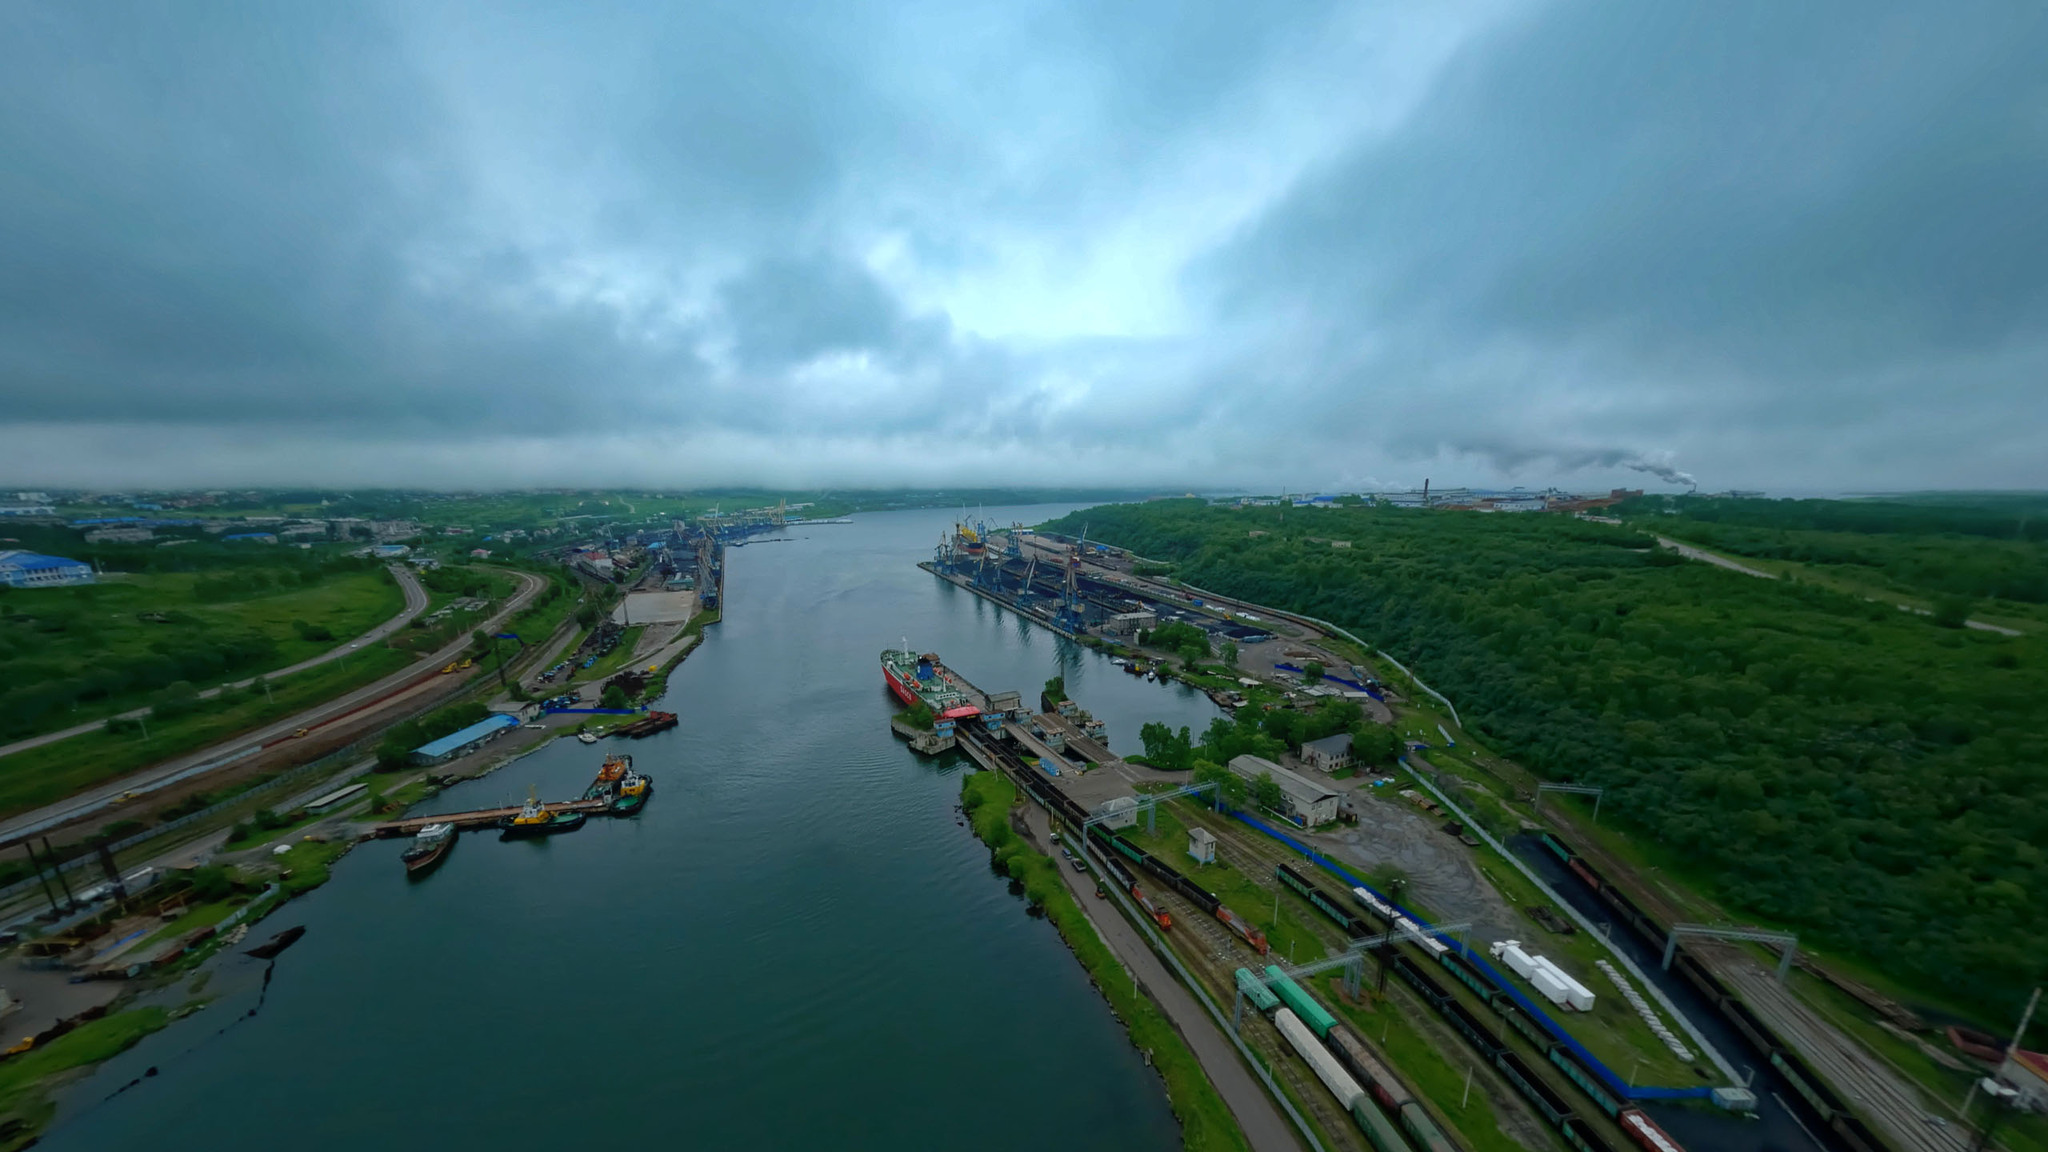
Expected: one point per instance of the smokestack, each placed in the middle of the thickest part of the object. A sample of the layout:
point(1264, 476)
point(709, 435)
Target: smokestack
point(1425, 491)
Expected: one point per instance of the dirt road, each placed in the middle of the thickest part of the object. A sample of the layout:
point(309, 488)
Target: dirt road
point(1264, 1127)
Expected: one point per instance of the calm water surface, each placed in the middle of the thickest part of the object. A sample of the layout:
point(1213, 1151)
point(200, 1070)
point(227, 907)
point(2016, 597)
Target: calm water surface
point(796, 945)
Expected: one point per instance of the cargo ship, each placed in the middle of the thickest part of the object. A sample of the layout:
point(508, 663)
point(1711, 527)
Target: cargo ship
point(428, 848)
point(924, 680)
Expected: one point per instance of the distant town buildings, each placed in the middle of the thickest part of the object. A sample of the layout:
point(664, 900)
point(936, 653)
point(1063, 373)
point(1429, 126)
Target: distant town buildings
point(20, 569)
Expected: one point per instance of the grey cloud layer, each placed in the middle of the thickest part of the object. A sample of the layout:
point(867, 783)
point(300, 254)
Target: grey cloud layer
point(1762, 244)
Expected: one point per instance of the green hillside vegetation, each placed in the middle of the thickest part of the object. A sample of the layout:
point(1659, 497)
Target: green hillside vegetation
point(1974, 553)
point(73, 654)
point(1867, 776)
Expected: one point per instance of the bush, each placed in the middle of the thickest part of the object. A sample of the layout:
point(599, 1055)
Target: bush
point(313, 632)
point(179, 698)
point(211, 883)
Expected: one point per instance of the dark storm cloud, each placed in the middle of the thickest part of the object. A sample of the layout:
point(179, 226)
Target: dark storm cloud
point(1619, 219)
point(1187, 244)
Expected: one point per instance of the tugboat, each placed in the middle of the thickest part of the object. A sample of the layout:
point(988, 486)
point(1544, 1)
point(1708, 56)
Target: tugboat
point(535, 819)
point(606, 785)
point(633, 792)
point(428, 849)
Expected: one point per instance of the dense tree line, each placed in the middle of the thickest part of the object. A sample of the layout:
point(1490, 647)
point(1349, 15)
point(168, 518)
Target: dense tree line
point(1944, 550)
point(1865, 775)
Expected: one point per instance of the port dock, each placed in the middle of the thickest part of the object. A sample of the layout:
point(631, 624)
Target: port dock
point(480, 818)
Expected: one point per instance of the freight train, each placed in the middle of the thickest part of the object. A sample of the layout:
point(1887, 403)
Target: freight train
point(1819, 1101)
point(1113, 845)
point(1555, 1049)
point(1194, 893)
point(1345, 1066)
point(1129, 883)
point(1325, 903)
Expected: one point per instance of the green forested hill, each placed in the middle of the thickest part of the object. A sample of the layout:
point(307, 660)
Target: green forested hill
point(1868, 775)
point(1994, 548)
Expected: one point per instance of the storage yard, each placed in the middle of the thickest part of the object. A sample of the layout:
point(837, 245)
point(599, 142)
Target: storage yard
point(1268, 915)
point(1816, 1086)
point(1568, 1040)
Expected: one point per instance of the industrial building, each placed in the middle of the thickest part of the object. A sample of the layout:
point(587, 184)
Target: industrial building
point(1328, 754)
point(1302, 800)
point(20, 569)
point(464, 742)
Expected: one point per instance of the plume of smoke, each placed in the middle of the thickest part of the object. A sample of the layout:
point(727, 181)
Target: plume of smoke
point(1664, 472)
point(1514, 457)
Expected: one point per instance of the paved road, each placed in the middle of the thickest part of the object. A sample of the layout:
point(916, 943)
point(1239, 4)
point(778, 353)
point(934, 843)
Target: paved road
point(205, 760)
point(1705, 557)
point(1264, 1126)
point(415, 603)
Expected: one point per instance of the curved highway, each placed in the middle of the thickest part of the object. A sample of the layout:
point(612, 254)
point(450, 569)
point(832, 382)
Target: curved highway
point(415, 603)
point(205, 760)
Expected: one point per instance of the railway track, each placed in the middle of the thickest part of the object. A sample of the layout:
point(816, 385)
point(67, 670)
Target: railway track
point(1214, 959)
point(1884, 1099)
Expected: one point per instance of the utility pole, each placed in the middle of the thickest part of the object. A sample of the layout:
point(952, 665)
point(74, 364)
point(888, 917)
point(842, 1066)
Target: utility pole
point(57, 867)
point(30, 848)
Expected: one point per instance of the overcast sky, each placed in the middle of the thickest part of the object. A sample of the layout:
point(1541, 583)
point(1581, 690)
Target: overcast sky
point(1311, 245)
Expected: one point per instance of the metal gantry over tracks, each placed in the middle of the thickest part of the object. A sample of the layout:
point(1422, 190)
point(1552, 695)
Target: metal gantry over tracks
point(1788, 941)
point(1352, 960)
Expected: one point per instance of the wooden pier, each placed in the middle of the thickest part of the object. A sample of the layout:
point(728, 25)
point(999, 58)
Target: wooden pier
point(481, 818)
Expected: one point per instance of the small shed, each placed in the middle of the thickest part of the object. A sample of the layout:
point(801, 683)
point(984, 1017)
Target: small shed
point(337, 798)
point(1117, 812)
point(1202, 845)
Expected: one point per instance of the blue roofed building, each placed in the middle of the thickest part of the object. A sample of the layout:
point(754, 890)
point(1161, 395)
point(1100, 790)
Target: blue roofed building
point(20, 569)
point(464, 742)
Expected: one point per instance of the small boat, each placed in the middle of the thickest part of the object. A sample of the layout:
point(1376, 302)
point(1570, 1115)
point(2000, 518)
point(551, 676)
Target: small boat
point(633, 792)
point(428, 849)
point(269, 949)
point(537, 819)
point(1151, 675)
point(585, 738)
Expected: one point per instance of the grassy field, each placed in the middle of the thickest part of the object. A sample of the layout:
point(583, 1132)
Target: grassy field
point(41, 775)
point(202, 916)
point(109, 647)
point(1206, 1123)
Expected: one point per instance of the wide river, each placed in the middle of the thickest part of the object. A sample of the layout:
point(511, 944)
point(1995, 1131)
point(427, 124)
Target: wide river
point(797, 944)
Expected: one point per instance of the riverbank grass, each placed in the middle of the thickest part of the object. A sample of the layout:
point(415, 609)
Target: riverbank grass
point(25, 1105)
point(1205, 1121)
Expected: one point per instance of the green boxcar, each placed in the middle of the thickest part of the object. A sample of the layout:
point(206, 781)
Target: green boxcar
point(1256, 991)
point(1381, 1134)
point(1312, 1014)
